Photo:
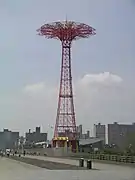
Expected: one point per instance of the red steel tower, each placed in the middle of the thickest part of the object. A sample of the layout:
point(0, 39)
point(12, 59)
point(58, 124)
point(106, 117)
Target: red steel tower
point(66, 32)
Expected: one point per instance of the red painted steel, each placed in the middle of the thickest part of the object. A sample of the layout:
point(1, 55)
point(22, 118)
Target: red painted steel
point(66, 32)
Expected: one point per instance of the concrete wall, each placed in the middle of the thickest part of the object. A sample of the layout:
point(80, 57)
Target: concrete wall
point(51, 151)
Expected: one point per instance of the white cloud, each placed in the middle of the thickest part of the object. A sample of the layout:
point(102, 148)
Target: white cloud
point(34, 88)
point(40, 90)
point(94, 87)
point(105, 78)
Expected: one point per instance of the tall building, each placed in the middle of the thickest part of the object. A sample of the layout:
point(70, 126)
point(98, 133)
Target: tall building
point(8, 139)
point(36, 136)
point(99, 131)
point(118, 134)
point(88, 135)
point(79, 131)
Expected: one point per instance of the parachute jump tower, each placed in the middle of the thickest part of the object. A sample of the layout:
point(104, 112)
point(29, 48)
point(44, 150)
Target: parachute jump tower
point(65, 132)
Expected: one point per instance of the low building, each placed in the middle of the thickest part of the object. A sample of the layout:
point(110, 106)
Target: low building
point(91, 144)
point(35, 137)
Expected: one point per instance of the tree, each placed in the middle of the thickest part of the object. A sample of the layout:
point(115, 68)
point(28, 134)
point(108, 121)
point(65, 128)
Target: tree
point(130, 142)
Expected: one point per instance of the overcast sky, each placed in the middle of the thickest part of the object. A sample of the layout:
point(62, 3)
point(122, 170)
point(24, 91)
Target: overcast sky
point(103, 65)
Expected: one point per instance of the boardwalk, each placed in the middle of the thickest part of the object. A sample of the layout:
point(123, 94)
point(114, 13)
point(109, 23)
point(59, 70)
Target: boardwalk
point(13, 170)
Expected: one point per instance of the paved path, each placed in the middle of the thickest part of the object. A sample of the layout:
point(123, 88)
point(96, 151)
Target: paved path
point(101, 166)
point(14, 170)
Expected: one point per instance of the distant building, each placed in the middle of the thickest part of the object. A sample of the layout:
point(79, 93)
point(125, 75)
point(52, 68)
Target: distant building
point(88, 135)
point(8, 139)
point(84, 136)
point(35, 137)
point(99, 131)
point(81, 135)
point(118, 133)
point(79, 131)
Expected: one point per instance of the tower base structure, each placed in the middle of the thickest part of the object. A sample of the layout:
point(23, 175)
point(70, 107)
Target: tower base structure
point(65, 142)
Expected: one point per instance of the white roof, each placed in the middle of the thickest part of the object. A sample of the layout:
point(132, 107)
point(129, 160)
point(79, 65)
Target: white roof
point(89, 141)
point(43, 142)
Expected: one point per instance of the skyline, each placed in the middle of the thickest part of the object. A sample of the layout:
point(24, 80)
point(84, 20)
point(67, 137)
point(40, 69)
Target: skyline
point(102, 66)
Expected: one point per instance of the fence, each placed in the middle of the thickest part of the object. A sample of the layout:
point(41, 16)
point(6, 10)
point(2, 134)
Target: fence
point(107, 157)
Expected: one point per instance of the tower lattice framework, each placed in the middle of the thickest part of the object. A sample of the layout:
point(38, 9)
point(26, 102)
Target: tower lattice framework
point(66, 32)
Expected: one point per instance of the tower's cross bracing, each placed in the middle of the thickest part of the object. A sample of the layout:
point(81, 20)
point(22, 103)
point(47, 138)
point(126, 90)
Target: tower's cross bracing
point(66, 32)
